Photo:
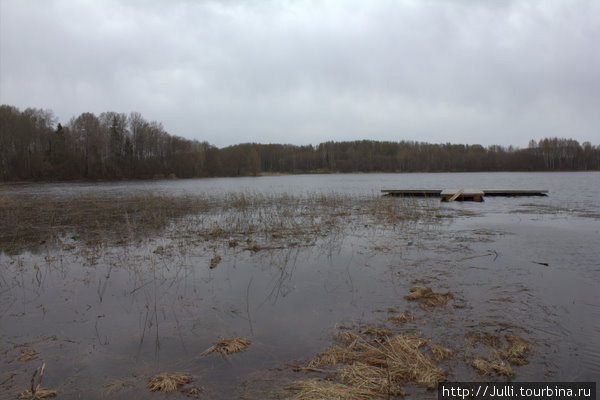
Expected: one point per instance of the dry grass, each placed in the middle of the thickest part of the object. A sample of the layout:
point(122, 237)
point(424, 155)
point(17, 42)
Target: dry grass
point(319, 389)
point(228, 346)
point(428, 297)
point(407, 362)
point(334, 355)
point(36, 391)
point(349, 337)
point(381, 366)
point(491, 340)
point(495, 365)
point(40, 393)
point(28, 355)
point(440, 353)
point(369, 377)
point(517, 349)
point(214, 261)
point(116, 384)
point(402, 317)
point(379, 332)
point(27, 221)
point(499, 362)
point(168, 382)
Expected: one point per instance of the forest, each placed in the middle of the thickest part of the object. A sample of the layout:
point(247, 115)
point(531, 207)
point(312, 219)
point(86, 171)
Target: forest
point(110, 146)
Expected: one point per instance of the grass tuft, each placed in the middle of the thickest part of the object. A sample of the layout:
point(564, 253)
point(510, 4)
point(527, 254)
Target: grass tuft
point(319, 389)
point(228, 346)
point(168, 382)
point(428, 297)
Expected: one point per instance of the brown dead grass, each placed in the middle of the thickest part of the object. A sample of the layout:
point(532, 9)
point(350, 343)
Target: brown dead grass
point(334, 355)
point(168, 382)
point(37, 392)
point(489, 339)
point(494, 365)
point(402, 357)
point(40, 393)
point(403, 317)
point(428, 297)
point(517, 349)
point(319, 389)
point(228, 346)
point(381, 366)
point(193, 392)
point(28, 355)
point(370, 377)
point(500, 360)
point(215, 261)
point(440, 353)
point(349, 337)
point(379, 332)
point(115, 218)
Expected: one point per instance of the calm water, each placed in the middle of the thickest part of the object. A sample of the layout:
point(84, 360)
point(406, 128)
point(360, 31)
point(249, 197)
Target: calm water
point(569, 190)
point(101, 322)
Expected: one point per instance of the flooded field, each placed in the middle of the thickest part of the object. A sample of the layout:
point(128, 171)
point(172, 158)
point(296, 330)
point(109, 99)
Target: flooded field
point(295, 287)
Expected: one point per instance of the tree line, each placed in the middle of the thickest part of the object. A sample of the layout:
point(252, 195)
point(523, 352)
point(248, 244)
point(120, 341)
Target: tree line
point(34, 146)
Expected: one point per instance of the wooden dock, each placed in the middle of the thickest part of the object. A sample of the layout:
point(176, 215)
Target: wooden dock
point(463, 194)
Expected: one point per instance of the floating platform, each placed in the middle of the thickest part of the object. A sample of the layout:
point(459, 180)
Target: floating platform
point(463, 194)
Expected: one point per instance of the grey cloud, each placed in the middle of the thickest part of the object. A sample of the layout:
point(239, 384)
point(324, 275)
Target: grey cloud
point(306, 71)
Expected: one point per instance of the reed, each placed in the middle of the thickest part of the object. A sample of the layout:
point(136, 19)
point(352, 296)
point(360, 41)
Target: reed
point(94, 219)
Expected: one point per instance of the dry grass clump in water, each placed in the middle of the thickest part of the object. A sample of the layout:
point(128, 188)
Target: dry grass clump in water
point(402, 317)
point(215, 261)
point(334, 355)
point(428, 297)
point(376, 379)
point(382, 367)
point(487, 367)
point(28, 355)
point(41, 393)
point(318, 389)
point(36, 392)
point(439, 352)
point(379, 332)
point(499, 362)
point(349, 337)
point(229, 346)
point(402, 357)
point(489, 339)
point(168, 382)
point(517, 349)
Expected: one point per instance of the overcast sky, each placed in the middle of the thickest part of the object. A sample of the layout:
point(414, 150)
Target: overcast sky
point(304, 72)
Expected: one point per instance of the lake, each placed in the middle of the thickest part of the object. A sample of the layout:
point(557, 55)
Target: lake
point(300, 259)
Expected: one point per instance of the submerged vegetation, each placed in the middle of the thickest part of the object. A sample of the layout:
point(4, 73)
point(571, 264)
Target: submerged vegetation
point(262, 222)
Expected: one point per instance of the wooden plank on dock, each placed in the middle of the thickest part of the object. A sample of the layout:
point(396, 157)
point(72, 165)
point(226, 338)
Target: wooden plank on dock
point(515, 192)
point(455, 195)
point(412, 192)
point(462, 195)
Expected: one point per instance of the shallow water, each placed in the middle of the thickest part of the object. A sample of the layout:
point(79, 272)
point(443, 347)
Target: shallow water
point(104, 320)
